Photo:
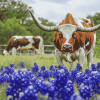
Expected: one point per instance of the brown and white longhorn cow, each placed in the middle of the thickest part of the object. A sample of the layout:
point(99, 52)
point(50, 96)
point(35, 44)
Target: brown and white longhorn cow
point(24, 43)
point(74, 38)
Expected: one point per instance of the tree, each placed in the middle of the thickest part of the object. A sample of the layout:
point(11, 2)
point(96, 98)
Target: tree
point(11, 8)
point(34, 30)
point(10, 28)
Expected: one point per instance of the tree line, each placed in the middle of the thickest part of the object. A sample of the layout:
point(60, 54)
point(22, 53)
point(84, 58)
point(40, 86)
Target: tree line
point(15, 20)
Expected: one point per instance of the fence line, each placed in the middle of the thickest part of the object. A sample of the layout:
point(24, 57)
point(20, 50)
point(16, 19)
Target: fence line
point(52, 51)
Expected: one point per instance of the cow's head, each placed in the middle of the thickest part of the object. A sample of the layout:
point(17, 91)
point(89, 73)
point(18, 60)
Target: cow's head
point(65, 37)
point(66, 33)
point(5, 52)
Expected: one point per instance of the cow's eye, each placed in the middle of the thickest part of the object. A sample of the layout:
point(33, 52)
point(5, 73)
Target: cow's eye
point(74, 34)
point(60, 34)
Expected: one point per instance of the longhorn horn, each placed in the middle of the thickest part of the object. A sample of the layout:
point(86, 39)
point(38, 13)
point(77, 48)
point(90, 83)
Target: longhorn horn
point(45, 28)
point(85, 29)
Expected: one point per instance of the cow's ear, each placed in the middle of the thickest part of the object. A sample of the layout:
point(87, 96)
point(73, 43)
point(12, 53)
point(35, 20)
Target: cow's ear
point(74, 34)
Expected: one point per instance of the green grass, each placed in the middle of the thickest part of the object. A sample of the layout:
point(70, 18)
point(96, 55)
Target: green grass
point(29, 61)
point(3, 91)
point(46, 60)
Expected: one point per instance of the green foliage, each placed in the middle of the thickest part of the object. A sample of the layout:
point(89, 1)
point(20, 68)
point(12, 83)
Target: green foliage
point(96, 20)
point(2, 32)
point(10, 28)
point(34, 30)
point(13, 8)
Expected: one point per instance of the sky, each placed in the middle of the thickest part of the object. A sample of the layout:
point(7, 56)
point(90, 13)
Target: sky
point(56, 10)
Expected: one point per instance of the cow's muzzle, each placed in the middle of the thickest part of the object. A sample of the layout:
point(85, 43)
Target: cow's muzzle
point(67, 49)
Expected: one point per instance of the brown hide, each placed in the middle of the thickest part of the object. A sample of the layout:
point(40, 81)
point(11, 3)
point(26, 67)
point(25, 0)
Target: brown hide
point(11, 43)
point(78, 38)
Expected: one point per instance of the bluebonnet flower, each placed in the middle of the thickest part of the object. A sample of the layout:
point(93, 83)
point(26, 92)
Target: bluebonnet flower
point(9, 97)
point(93, 67)
point(12, 91)
point(51, 90)
point(79, 79)
point(35, 68)
point(43, 88)
point(78, 67)
point(59, 87)
point(51, 67)
point(33, 80)
point(56, 66)
point(95, 81)
point(38, 84)
point(85, 92)
point(28, 93)
point(52, 81)
point(72, 75)
point(22, 64)
point(46, 74)
point(73, 97)
point(11, 65)
point(28, 70)
point(54, 72)
point(60, 67)
point(2, 79)
point(42, 68)
point(67, 91)
point(1, 68)
point(61, 78)
point(87, 71)
point(98, 66)
point(40, 73)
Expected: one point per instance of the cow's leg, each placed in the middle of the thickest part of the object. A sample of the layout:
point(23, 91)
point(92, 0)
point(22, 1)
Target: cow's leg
point(81, 57)
point(71, 66)
point(13, 51)
point(90, 58)
point(90, 54)
point(58, 57)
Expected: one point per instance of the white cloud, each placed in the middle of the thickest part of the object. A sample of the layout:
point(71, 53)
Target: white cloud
point(57, 1)
point(54, 10)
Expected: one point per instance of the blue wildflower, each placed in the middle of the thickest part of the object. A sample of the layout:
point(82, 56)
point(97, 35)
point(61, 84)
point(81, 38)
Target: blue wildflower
point(22, 64)
point(42, 68)
point(11, 65)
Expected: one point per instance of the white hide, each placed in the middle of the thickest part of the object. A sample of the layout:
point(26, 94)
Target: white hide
point(14, 51)
point(41, 46)
point(67, 30)
point(30, 38)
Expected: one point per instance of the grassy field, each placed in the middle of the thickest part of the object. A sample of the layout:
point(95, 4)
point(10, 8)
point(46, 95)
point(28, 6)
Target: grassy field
point(29, 61)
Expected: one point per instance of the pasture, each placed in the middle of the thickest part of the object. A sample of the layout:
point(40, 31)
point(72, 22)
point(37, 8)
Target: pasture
point(29, 61)
point(46, 60)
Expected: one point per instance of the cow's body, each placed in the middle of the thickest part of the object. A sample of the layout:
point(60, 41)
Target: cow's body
point(74, 38)
point(83, 43)
point(24, 43)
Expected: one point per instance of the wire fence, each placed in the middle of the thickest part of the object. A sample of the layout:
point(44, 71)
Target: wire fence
point(48, 49)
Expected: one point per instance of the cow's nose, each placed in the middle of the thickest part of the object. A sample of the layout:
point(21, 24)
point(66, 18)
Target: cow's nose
point(65, 48)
